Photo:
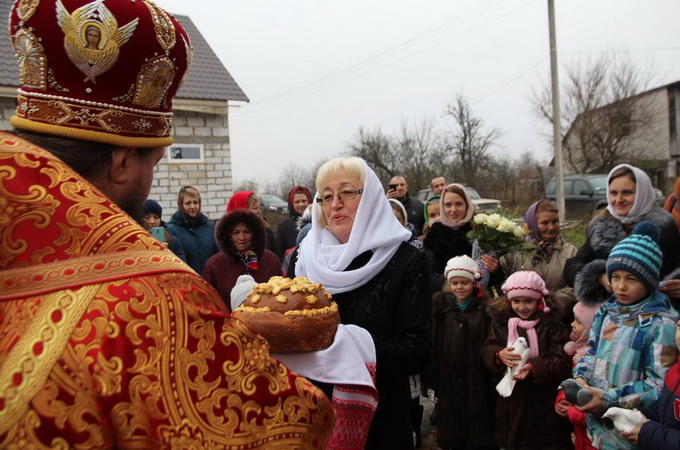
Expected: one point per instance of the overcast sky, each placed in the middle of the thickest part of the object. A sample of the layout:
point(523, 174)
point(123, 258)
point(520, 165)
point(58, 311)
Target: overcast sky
point(316, 70)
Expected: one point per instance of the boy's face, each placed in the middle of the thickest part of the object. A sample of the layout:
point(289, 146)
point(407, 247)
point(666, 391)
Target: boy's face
point(628, 289)
point(524, 307)
point(577, 328)
point(461, 288)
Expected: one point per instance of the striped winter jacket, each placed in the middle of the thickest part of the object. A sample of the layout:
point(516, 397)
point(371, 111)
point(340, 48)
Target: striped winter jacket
point(630, 349)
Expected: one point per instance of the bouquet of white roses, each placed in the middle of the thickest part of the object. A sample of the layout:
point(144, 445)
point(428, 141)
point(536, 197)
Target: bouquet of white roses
point(495, 233)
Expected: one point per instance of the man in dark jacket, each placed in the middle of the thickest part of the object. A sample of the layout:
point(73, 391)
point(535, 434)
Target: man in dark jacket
point(414, 207)
point(286, 232)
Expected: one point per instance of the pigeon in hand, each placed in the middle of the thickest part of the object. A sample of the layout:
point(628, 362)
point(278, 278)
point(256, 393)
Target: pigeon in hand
point(575, 393)
point(507, 384)
point(624, 419)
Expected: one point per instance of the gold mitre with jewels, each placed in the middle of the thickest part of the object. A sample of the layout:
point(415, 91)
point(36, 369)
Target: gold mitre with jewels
point(102, 70)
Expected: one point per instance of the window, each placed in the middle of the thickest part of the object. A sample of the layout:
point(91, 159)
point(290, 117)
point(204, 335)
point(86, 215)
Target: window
point(185, 153)
point(580, 187)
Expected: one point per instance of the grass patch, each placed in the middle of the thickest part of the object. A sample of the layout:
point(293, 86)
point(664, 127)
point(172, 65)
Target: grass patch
point(574, 233)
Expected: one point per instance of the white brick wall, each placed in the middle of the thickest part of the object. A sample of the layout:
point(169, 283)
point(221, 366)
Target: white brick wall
point(213, 178)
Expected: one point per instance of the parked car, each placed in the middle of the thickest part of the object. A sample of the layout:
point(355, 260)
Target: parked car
point(274, 203)
point(585, 194)
point(484, 205)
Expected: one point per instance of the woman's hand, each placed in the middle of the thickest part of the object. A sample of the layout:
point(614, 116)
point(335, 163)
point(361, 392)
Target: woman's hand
point(508, 357)
point(604, 281)
point(523, 373)
point(671, 288)
point(561, 408)
point(490, 263)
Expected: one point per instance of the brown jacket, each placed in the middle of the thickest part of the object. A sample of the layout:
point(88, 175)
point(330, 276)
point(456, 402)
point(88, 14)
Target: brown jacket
point(527, 419)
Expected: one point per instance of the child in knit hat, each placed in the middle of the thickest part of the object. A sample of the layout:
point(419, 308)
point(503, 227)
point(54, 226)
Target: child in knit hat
point(465, 409)
point(526, 418)
point(632, 340)
point(584, 314)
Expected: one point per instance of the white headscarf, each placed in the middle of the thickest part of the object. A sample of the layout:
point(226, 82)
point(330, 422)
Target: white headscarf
point(468, 214)
point(323, 259)
point(644, 195)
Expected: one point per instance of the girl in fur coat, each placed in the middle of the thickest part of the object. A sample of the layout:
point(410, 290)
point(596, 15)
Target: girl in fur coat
point(527, 419)
point(456, 372)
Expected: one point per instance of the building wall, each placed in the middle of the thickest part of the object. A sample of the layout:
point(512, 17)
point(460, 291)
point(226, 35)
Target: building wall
point(213, 178)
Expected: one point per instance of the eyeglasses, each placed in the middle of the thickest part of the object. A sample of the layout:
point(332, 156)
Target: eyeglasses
point(343, 196)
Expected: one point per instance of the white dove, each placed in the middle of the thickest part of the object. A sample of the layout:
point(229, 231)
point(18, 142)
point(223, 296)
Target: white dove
point(507, 384)
point(624, 419)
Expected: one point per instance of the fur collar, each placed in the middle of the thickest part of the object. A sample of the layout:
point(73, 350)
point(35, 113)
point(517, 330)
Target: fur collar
point(604, 231)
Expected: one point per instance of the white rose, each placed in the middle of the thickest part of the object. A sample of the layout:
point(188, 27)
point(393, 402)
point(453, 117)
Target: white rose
point(493, 221)
point(480, 219)
point(506, 225)
point(518, 232)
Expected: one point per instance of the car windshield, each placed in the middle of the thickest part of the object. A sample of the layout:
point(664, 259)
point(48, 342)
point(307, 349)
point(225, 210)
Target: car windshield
point(269, 198)
point(599, 183)
point(474, 195)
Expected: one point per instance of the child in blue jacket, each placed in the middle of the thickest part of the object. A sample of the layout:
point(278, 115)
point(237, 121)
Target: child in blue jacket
point(632, 340)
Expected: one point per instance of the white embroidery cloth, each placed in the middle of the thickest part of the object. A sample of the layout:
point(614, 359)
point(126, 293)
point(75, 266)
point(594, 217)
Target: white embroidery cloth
point(348, 364)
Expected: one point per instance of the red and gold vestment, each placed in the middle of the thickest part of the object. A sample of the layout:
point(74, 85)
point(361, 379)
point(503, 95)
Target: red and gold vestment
point(109, 340)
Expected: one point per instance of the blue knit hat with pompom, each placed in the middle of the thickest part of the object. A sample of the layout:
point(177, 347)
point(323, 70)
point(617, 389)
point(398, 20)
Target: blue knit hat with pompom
point(640, 255)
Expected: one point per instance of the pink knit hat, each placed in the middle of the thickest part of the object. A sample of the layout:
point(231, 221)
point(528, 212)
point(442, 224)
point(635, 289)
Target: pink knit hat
point(529, 284)
point(586, 313)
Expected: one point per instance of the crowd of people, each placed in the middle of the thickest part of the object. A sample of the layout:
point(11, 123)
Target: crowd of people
point(115, 326)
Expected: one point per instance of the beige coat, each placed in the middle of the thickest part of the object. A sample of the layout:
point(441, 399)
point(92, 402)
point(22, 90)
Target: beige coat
point(551, 271)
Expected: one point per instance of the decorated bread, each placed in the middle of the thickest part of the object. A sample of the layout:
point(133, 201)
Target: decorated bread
point(295, 316)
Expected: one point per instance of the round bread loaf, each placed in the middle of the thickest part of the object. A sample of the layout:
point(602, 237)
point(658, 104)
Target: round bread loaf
point(295, 316)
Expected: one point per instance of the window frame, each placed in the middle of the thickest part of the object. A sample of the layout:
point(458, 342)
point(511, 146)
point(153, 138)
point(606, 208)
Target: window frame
point(173, 160)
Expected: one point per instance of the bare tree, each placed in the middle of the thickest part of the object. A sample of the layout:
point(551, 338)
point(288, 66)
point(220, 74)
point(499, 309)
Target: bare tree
point(601, 113)
point(469, 142)
point(415, 153)
point(247, 185)
point(419, 153)
point(377, 149)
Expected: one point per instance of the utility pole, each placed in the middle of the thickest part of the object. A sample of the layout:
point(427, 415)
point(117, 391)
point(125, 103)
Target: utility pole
point(557, 129)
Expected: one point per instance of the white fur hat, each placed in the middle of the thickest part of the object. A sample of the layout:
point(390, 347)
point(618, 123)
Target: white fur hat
point(462, 266)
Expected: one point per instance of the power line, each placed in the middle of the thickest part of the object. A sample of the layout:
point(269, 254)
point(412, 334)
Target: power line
point(304, 90)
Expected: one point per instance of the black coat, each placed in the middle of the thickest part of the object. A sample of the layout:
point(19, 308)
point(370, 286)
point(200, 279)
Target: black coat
point(414, 211)
point(395, 307)
point(461, 381)
point(443, 243)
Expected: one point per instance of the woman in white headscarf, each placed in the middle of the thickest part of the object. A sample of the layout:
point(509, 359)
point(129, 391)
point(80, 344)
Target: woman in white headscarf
point(631, 199)
point(359, 251)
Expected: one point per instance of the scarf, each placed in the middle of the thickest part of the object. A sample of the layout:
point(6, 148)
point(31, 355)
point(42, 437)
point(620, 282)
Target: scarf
point(644, 195)
point(462, 306)
point(544, 249)
point(468, 214)
point(323, 259)
point(577, 346)
point(528, 325)
point(249, 258)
